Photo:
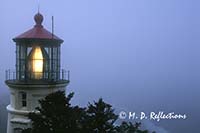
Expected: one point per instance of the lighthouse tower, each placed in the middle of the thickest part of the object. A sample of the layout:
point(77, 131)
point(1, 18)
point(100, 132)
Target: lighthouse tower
point(37, 73)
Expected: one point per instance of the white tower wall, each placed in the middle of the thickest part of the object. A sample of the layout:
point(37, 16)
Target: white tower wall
point(17, 114)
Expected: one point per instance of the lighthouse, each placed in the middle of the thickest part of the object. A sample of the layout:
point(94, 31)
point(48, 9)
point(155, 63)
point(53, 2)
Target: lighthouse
point(37, 73)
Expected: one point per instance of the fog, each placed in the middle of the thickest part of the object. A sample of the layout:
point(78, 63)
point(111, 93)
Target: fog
point(138, 55)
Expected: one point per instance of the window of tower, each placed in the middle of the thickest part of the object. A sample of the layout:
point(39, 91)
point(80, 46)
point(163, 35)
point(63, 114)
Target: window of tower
point(17, 130)
point(24, 99)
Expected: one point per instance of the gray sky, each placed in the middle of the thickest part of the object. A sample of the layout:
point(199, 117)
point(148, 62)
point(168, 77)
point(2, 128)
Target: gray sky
point(139, 55)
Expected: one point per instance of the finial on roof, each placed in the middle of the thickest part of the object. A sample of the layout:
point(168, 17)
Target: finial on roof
point(38, 19)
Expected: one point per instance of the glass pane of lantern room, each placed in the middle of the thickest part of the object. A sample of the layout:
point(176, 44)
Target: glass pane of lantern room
point(36, 63)
point(21, 56)
point(17, 62)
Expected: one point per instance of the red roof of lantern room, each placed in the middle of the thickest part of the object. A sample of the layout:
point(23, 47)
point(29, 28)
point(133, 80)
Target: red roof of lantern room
point(38, 31)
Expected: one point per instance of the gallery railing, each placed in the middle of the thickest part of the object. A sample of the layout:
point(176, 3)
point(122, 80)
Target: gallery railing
point(27, 75)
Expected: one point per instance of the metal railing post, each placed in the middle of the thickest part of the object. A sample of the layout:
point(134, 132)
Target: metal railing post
point(62, 74)
point(9, 74)
point(68, 74)
point(13, 75)
point(6, 74)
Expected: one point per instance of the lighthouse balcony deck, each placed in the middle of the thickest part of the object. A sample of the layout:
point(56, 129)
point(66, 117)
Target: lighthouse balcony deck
point(56, 77)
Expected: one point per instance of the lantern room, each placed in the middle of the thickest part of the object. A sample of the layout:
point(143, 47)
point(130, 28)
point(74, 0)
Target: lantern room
point(38, 54)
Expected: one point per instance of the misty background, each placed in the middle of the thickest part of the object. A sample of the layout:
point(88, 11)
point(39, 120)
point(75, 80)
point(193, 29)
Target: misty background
point(138, 55)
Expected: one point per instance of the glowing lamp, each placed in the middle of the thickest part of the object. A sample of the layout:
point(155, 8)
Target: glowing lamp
point(37, 62)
